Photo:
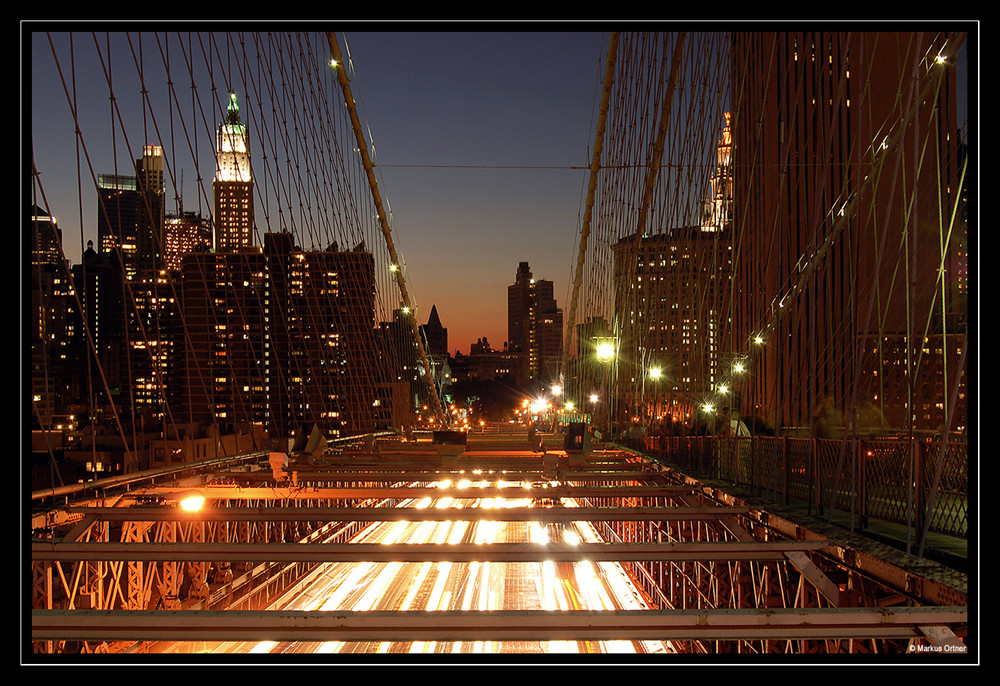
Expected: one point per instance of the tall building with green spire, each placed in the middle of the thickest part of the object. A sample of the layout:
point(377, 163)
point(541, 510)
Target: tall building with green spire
point(233, 184)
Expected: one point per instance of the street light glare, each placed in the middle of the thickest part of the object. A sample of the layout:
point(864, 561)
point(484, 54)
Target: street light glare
point(192, 503)
point(605, 350)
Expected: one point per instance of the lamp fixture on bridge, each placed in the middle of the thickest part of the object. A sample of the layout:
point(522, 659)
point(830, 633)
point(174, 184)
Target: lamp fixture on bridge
point(605, 349)
point(190, 500)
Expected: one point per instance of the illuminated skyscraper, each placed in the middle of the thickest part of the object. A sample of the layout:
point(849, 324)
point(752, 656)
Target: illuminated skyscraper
point(130, 215)
point(185, 232)
point(233, 184)
point(118, 202)
point(319, 313)
point(717, 210)
point(149, 229)
point(534, 326)
point(669, 291)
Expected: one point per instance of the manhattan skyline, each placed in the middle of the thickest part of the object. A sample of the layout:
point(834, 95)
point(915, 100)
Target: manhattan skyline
point(481, 150)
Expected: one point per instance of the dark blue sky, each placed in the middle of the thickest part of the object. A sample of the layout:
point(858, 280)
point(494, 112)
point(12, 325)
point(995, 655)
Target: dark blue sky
point(522, 104)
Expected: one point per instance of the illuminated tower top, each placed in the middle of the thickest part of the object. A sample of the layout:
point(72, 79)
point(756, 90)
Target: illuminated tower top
point(716, 213)
point(232, 147)
point(233, 186)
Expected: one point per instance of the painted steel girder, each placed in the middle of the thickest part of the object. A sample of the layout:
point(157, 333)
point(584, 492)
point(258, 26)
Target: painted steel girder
point(360, 493)
point(933, 623)
point(500, 552)
point(412, 514)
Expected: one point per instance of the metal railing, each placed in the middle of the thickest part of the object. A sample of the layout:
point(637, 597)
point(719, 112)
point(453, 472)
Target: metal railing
point(920, 484)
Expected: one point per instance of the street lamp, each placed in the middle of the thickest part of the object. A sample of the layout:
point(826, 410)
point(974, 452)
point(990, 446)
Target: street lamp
point(655, 374)
point(605, 349)
point(191, 500)
point(605, 354)
point(739, 369)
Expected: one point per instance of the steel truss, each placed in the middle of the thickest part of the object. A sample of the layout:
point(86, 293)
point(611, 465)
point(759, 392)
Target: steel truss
point(719, 575)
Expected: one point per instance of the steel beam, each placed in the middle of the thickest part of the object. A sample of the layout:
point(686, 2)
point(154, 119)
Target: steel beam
point(417, 552)
point(668, 625)
point(394, 475)
point(410, 514)
point(291, 492)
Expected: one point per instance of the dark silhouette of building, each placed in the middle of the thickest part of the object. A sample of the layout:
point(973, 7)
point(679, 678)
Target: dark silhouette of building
point(534, 327)
point(222, 367)
point(130, 213)
point(321, 363)
point(101, 345)
point(284, 338)
point(150, 239)
point(118, 203)
point(435, 335)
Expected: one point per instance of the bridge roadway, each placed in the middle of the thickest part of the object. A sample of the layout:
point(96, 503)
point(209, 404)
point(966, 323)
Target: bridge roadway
point(446, 586)
point(396, 548)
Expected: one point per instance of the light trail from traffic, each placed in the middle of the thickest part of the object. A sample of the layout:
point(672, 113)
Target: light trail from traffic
point(444, 586)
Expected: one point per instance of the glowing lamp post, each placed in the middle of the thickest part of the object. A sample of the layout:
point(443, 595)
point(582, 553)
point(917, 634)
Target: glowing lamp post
point(191, 500)
point(605, 350)
point(655, 374)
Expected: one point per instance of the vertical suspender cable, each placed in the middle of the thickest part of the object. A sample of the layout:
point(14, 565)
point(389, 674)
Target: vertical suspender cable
point(595, 165)
point(384, 223)
point(666, 107)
